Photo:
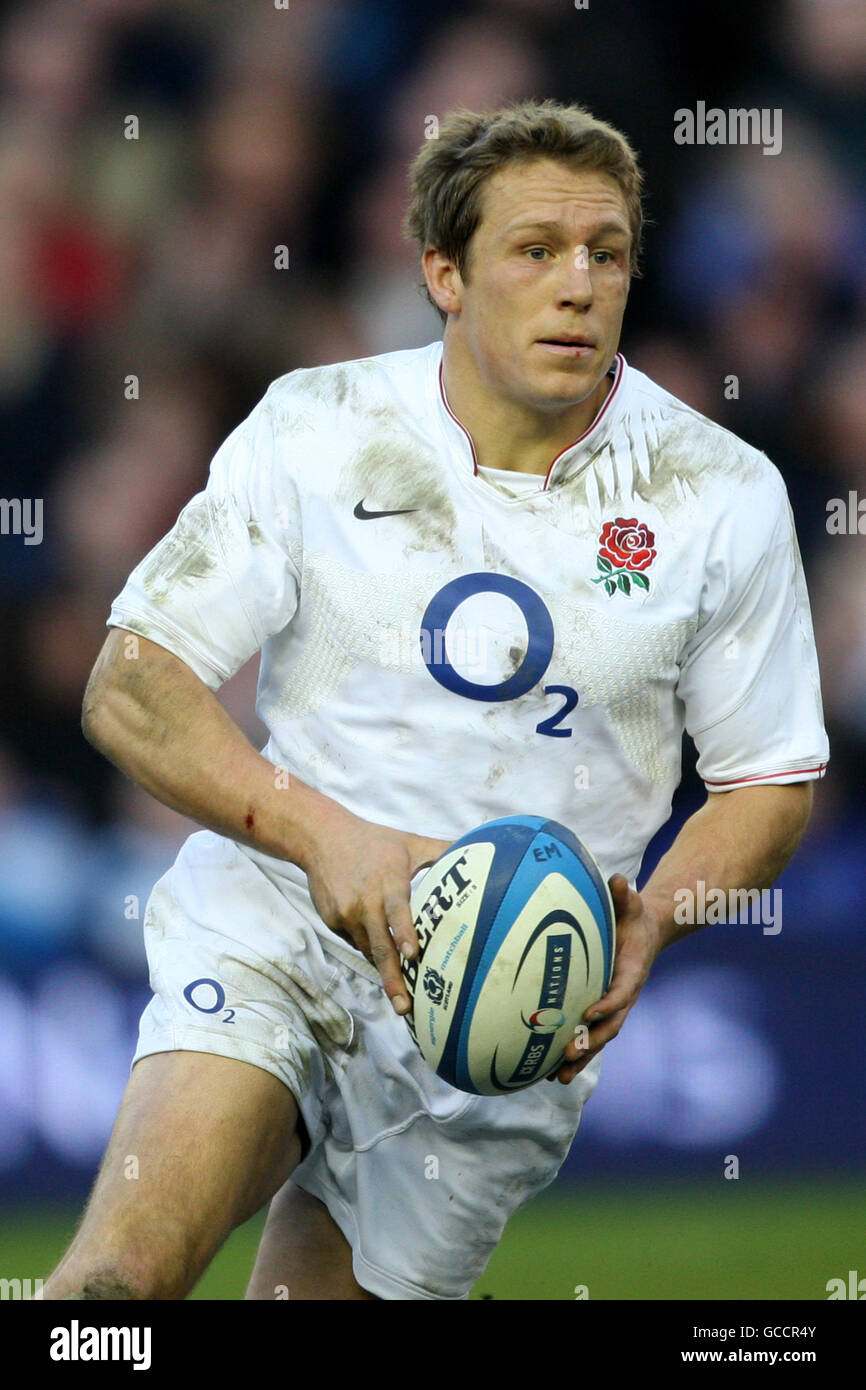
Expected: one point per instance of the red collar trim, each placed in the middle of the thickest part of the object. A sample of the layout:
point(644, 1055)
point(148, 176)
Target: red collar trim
point(599, 416)
point(454, 418)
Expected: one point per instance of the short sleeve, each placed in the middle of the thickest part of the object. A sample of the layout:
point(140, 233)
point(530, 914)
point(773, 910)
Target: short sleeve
point(749, 679)
point(227, 576)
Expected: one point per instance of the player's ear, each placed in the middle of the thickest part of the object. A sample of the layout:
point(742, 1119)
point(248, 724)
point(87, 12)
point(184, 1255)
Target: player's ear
point(443, 280)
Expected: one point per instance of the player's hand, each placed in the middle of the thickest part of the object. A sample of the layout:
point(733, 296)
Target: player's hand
point(637, 945)
point(359, 875)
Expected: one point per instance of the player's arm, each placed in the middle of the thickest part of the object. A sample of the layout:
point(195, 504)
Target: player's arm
point(152, 716)
point(749, 684)
point(738, 839)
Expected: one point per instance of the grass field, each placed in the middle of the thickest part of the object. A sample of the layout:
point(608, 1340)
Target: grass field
point(732, 1241)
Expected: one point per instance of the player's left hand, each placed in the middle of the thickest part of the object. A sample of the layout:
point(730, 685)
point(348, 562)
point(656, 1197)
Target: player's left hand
point(638, 942)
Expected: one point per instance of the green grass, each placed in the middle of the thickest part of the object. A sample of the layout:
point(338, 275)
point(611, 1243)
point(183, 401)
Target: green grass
point(731, 1241)
point(734, 1240)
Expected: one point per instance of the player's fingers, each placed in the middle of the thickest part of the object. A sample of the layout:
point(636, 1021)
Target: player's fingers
point(574, 1054)
point(628, 979)
point(579, 1045)
point(621, 894)
point(615, 998)
point(598, 1036)
point(574, 1059)
point(400, 924)
point(629, 976)
point(383, 954)
point(575, 1050)
point(566, 1074)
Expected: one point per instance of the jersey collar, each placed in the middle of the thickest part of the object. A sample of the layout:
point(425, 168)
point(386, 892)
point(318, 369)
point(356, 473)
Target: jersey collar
point(569, 459)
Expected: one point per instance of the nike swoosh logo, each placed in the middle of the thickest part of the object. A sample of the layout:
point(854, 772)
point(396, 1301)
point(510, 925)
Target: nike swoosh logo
point(363, 515)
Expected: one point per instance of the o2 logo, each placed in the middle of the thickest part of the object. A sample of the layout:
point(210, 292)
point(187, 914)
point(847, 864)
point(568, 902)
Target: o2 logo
point(530, 672)
point(209, 997)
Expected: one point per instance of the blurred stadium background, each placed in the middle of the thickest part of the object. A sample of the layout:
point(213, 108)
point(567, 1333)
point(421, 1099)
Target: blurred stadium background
point(261, 126)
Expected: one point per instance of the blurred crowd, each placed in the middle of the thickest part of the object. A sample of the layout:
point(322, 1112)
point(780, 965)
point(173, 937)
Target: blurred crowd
point(155, 154)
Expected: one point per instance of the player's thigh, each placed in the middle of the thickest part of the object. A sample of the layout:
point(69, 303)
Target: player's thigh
point(303, 1254)
point(200, 1143)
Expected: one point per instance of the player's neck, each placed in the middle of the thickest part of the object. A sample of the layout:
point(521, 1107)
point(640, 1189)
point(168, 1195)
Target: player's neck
point(507, 434)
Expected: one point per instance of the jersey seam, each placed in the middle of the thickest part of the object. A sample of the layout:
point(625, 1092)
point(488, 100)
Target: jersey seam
point(811, 764)
point(119, 617)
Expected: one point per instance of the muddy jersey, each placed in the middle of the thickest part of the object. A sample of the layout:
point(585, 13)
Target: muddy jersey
point(439, 648)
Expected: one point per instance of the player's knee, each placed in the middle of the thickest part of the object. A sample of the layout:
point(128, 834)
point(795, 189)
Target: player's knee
point(128, 1274)
point(107, 1285)
point(105, 1281)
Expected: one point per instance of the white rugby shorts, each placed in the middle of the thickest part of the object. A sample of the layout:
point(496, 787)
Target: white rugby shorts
point(421, 1178)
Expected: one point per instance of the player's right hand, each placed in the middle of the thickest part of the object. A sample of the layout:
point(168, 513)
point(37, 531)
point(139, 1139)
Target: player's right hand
point(359, 876)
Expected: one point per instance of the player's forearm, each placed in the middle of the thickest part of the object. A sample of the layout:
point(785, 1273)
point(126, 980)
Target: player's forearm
point(738, 840)
point(156, 721)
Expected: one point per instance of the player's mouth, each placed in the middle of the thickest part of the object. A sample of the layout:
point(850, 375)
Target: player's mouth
point(567, 345)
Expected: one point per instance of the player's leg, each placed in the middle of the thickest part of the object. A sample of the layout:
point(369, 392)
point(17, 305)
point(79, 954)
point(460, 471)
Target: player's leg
point(303, 1254)
point(200, 1143)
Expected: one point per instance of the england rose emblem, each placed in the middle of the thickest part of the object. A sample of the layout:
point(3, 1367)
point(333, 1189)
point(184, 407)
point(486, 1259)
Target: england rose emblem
point(625, 550)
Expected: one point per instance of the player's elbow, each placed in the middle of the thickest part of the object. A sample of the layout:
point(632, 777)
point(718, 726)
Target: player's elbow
point(99, 712)
point(93, 712)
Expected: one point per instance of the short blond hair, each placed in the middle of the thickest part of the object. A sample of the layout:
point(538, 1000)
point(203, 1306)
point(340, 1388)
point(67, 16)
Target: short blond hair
point(447, 175)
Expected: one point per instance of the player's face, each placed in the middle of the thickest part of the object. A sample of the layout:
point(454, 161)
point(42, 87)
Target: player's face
point(549, 261)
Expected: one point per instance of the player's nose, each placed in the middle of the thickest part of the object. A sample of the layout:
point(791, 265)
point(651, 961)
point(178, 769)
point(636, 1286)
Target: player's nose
point(576, 285)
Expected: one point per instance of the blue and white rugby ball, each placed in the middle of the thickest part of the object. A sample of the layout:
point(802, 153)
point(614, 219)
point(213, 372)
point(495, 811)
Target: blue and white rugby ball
point(516, 928)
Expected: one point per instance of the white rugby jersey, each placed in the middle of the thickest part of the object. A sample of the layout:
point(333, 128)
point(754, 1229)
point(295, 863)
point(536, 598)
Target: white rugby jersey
point(440, 648)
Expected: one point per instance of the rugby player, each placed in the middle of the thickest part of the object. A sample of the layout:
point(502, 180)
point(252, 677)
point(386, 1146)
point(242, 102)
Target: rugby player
point(517, 484)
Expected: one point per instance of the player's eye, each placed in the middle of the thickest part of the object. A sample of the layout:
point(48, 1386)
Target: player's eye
point(531, 250)
point(608, 254)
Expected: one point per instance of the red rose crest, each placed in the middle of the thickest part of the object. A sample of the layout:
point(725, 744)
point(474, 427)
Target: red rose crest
point(625, 550)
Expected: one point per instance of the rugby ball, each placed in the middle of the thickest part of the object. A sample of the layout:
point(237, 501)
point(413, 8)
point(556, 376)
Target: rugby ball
point(516, 929)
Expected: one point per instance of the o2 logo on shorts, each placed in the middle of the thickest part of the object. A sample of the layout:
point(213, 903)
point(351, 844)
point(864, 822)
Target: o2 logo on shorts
point(208, 997)
point(530, 672)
